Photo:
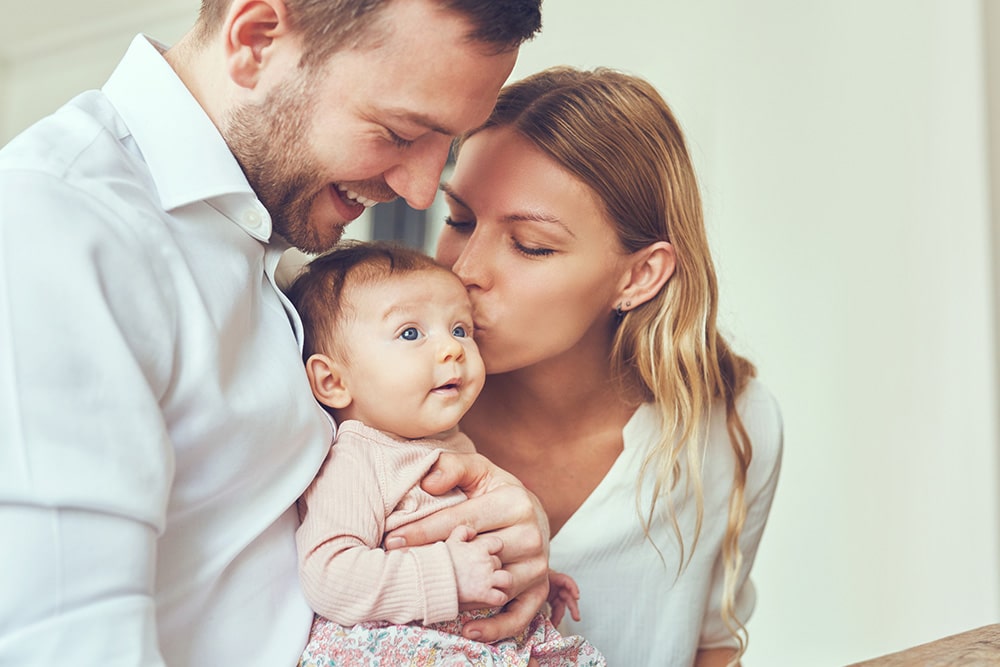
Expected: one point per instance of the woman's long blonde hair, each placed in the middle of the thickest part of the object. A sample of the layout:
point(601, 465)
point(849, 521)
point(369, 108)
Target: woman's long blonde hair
point(615, 133)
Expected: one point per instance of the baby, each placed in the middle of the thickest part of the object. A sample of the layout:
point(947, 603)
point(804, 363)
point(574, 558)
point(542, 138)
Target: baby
point(390, 353)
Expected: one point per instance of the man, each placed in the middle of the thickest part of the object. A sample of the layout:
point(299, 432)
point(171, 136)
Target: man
point(156, 426)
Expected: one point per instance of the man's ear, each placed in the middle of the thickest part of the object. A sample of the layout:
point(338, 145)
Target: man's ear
point(250, 30)
point(649, 270)
point(327, 381)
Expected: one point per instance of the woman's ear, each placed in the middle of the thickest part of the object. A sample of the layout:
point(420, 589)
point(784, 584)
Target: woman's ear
point(649, 270)
point(251, 28)
point(327, 381)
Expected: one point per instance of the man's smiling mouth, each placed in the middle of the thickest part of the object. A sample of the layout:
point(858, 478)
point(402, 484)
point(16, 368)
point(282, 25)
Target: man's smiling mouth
point(353, 196)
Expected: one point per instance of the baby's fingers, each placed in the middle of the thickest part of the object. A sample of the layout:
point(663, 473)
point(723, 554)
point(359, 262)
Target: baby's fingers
point(461, 533)
point(502, 579)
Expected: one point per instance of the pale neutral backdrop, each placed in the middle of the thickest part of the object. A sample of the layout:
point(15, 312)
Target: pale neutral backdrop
point(844, 152)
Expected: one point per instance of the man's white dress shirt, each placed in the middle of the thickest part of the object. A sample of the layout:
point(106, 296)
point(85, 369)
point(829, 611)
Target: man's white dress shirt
point(156, 425)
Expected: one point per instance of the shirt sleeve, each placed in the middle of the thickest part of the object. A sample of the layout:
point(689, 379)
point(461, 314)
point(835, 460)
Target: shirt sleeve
point(86, 464)
point(762, 420)
point(346, 574)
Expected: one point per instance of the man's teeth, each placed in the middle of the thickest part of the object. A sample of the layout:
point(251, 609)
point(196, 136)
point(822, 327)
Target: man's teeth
point(354, 196)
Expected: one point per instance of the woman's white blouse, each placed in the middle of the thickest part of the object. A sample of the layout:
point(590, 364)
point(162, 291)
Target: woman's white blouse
point(636, 607)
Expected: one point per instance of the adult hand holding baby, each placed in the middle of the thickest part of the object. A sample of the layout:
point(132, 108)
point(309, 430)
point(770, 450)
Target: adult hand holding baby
point(500, 505)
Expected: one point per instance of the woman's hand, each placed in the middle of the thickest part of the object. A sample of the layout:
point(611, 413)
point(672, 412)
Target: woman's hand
point(498, 504)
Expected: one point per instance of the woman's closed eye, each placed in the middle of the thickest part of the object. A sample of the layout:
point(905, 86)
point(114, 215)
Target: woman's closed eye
point(460, 226)
point(466, 227)
point(531, 251)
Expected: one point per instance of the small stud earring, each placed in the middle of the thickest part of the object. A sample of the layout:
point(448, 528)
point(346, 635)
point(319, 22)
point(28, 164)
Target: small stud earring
point(620, 312)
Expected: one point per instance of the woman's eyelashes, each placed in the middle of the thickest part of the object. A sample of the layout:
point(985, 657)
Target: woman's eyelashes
point(460, 226)
point(466, 227)
point(531, 251)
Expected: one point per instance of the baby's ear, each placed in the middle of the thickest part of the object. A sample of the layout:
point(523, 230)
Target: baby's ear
point(327, 381)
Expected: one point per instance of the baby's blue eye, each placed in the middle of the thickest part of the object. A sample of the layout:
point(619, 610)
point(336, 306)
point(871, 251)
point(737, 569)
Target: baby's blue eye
point(459, 332)
point(410, 333)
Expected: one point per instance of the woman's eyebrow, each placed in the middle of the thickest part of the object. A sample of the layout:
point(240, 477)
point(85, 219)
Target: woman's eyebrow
point(520, 216)
point(447, 189)
point(536, 216)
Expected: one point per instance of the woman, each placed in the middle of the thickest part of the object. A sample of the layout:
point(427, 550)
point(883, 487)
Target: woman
point(576, 225)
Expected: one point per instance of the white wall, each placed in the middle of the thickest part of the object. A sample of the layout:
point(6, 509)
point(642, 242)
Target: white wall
point(46, 73)
point(842, 150)
point(4, 88)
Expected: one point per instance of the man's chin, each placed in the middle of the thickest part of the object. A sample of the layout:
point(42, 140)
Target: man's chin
point(311, 241)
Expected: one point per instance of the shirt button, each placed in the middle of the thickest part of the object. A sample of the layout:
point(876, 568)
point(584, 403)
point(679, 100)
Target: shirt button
point(253, 219)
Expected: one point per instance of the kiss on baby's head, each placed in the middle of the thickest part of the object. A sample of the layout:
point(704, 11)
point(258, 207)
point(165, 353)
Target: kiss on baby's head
point(388, 338)
point(318, 291)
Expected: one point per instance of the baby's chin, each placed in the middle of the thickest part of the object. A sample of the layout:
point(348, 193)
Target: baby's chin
point(414, 431)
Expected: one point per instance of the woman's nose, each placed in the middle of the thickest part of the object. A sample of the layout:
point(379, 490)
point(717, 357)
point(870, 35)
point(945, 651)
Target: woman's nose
point(472, 264)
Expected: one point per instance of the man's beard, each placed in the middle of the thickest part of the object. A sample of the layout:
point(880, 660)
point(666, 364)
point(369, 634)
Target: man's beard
point(269, 141)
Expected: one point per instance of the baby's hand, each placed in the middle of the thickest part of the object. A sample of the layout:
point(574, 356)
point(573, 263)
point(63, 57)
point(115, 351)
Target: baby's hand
point(563, 594)
point(478, 569)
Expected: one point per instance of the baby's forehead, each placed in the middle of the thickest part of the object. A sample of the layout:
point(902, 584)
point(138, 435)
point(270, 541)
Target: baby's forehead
point(414, 288)
point(430, 277)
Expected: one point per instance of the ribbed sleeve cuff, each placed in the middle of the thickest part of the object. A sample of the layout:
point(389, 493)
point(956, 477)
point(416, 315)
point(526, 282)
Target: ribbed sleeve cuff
point(437, 582)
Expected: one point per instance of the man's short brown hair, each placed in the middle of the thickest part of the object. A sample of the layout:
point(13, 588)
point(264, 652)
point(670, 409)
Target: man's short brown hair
point(328, 26)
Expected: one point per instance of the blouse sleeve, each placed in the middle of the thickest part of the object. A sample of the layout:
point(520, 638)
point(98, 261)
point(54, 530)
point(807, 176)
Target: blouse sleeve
point(762, 420)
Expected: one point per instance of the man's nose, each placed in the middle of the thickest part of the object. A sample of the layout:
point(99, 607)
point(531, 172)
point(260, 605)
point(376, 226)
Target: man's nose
point(417, 176)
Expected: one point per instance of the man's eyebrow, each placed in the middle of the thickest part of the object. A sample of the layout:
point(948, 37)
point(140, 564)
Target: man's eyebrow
point(521, 216)
point(421, 119)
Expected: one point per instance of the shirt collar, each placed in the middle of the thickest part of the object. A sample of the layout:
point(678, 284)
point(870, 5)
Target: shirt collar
point(186, 155)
